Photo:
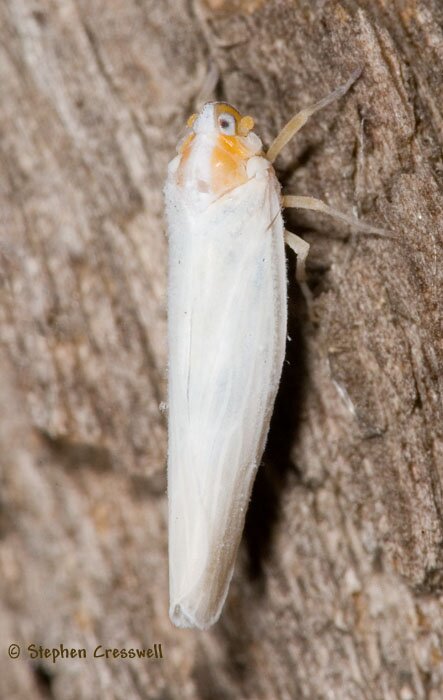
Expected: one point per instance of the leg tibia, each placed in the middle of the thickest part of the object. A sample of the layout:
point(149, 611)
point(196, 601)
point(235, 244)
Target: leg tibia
point(300, 119)
point(314, 204)
point(301, 249)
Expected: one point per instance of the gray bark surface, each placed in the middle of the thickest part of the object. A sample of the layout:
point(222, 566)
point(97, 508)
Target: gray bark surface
point(337, 593)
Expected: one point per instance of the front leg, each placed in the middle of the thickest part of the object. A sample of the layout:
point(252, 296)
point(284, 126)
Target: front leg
point(300, 119)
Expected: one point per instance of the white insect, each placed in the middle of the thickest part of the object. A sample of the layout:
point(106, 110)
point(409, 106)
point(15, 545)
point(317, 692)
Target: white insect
point(227, 335)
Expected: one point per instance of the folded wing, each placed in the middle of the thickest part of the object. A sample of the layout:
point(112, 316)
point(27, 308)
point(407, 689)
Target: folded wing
point(227, 332)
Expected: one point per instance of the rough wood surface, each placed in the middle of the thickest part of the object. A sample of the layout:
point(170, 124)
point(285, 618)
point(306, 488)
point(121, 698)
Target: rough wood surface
point(337, 593)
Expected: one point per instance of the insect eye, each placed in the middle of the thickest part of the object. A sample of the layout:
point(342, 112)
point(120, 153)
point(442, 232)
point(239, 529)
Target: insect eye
point(226, 123)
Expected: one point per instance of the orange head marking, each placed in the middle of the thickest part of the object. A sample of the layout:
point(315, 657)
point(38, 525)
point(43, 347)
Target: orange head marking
point(191, 120)
point(230, 152)
point(221, 140)
point(184, 150)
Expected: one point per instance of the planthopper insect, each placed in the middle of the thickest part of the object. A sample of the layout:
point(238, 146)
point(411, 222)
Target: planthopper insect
point(227, 315)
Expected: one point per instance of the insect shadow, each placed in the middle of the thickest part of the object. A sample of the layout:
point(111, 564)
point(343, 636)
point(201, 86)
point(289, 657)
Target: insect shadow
point(276, 467)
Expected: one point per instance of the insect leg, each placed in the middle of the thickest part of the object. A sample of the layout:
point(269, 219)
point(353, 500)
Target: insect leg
point(300, 119)
point(301, 249)
point(314, 204)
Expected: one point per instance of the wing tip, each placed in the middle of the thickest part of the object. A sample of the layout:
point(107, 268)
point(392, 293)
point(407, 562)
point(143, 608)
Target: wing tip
point(185, 618)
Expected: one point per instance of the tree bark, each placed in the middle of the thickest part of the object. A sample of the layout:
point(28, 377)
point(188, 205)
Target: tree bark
point(338, 587)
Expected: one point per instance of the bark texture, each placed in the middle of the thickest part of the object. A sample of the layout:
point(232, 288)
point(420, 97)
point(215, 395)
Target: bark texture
point(338, 588)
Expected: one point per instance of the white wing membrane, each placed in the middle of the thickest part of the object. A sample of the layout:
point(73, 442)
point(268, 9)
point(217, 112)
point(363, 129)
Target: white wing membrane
point(227, 332)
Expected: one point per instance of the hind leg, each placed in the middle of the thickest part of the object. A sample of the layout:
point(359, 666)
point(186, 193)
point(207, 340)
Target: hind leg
point(301, 249)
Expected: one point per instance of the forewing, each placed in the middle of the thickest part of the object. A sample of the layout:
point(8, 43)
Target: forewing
point(227, 330)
